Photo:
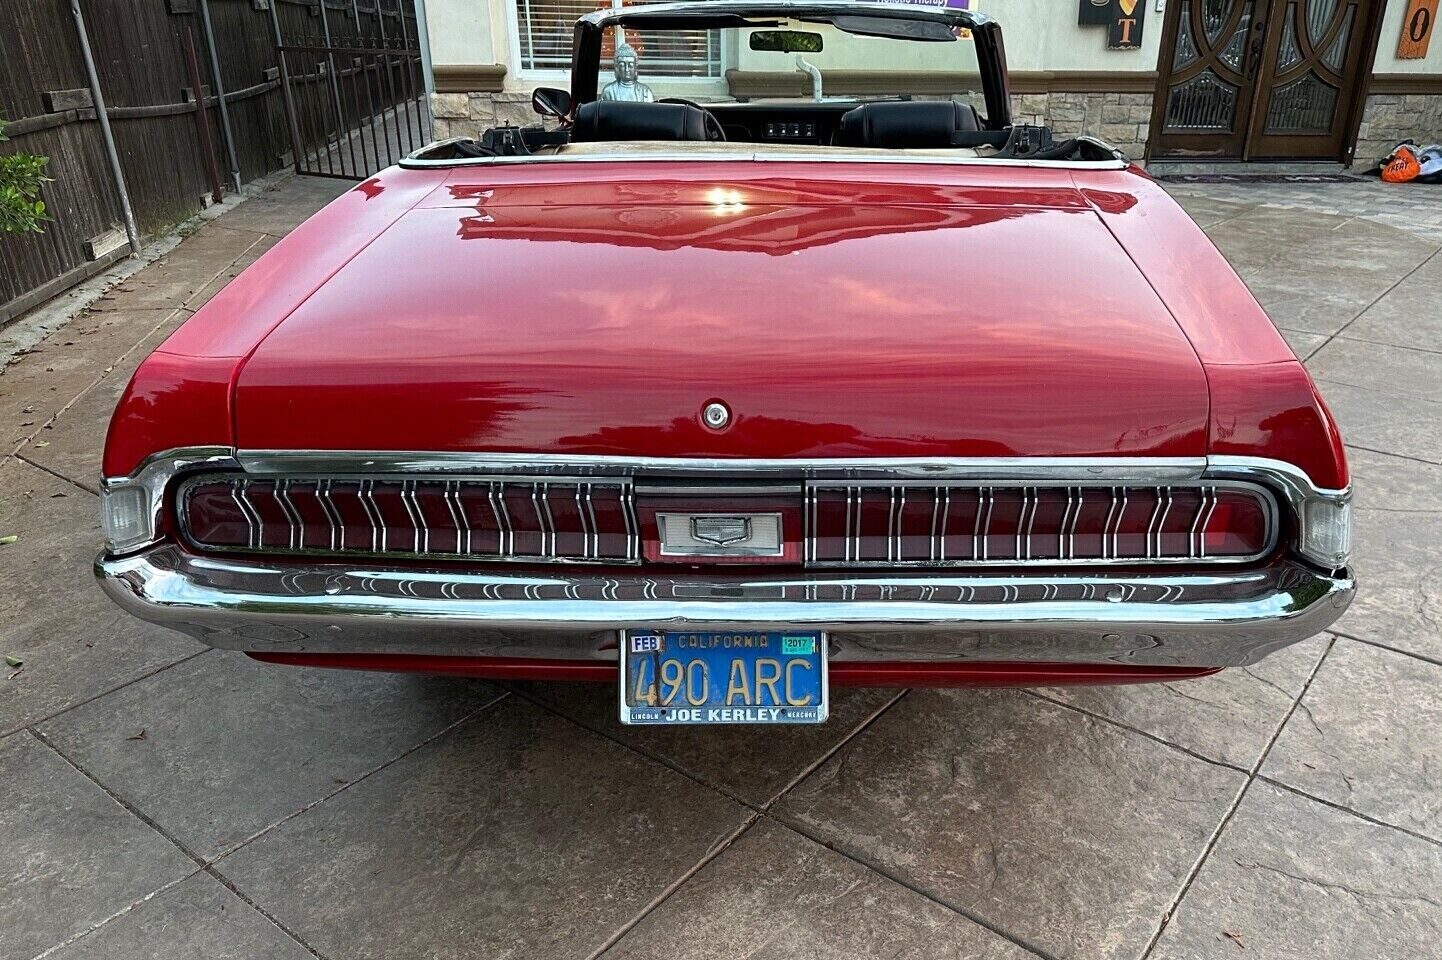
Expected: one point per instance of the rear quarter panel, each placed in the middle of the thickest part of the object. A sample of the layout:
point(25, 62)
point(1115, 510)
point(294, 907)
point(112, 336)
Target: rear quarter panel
point(1263, 401)
point(181, 395)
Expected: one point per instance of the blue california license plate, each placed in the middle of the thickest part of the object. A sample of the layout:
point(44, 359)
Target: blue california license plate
point(728, 676)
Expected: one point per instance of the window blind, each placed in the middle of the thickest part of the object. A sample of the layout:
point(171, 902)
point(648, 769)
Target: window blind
point(545, 29)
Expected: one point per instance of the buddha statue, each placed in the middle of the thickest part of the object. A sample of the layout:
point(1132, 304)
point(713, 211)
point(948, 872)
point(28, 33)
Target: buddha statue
point(626, 86)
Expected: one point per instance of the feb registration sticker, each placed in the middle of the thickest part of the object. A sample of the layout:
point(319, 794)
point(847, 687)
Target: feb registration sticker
point(726, 676)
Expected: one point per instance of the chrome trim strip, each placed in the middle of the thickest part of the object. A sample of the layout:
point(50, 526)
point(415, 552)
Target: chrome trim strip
point(989, 495)
point(292, 515)
point(945, 519)
point(1216, 618)
point(505, 536)
point(633, 524)
point(332, 513)
point(890, 469)
point(808, 533)
point(893, 524)
point(721, 488)
point(252, 519)
point(458, 517)
point(1292, 479)
point(414, 162)
point(738, 155)
point(1066, 536)
point(540, 493)
point(936, 497)
point(595, 527)
point(1121, 508)
point(420, 531)
point(366, 495)
point(1154, 523)
point(261, 462)
point(1029, 496)
point(583, 488)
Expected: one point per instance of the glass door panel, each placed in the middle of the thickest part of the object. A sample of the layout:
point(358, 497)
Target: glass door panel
point(1308, 79)
point(1203, 106)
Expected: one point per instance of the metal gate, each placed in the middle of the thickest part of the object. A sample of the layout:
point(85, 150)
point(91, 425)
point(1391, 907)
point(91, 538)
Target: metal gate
point(354, 83)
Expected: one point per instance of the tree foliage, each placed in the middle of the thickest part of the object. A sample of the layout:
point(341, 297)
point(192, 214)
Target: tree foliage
point(21, 174)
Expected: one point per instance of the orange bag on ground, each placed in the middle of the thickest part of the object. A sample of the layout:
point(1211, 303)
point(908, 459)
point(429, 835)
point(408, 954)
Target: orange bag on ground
point(1402, 165)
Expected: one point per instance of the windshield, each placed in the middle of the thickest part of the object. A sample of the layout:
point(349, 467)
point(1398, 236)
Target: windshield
point(785, 59)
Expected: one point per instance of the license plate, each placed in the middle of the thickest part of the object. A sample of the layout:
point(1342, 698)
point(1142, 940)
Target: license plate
point(727, 676)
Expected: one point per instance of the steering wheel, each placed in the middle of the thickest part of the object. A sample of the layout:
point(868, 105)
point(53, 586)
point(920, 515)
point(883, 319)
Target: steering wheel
point(714, 131)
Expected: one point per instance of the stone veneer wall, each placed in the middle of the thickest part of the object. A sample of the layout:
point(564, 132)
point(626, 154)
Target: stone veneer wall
point(1121, 119)
point(468, 114)
point(1392, 117)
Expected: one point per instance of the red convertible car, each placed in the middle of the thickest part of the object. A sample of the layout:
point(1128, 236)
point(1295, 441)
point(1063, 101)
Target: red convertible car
point(736, 399)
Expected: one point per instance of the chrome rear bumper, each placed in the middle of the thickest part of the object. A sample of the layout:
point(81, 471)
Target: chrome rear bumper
point(1200, 619)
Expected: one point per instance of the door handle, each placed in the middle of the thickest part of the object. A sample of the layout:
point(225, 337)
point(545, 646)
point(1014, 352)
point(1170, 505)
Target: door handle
point(1255, 60)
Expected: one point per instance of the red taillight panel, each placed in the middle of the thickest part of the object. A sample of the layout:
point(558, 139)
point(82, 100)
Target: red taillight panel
point(821, 524)
point(864, 525)
point(488, 519)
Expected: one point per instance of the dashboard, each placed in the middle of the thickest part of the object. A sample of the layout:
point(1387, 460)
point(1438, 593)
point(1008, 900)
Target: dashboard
point(792, 122)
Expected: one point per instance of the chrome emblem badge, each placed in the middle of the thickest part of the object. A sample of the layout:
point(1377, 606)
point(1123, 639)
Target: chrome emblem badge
point(715, 415)
point(722, 531)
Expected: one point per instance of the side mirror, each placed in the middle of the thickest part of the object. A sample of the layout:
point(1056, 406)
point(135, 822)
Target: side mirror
point(551, 102)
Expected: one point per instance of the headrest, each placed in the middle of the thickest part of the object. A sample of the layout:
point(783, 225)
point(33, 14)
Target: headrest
point(902, 124)
point(606, 120)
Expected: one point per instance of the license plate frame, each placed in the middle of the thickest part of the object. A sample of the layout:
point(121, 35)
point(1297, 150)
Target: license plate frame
point(722, 652)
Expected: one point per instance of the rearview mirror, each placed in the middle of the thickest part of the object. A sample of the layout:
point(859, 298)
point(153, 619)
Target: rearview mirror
point(551, 102)
point(786, 41)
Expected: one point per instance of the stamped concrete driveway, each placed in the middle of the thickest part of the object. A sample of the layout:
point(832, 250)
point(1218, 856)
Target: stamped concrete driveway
point(158, 800)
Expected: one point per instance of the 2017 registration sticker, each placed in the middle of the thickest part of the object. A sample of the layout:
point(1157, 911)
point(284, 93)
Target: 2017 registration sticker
point(670, 677)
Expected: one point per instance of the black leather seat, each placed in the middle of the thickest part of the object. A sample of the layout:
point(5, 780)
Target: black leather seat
point(903, 124)
point(602, 121)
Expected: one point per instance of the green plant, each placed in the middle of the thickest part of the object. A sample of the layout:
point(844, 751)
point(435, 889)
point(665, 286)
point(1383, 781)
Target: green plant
point(21, 174)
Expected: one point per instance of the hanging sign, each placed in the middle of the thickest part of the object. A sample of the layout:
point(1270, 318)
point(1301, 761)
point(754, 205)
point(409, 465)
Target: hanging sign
point(1417, 24)
point(1122, 18)
point(1094, 13)
point(1125, 30)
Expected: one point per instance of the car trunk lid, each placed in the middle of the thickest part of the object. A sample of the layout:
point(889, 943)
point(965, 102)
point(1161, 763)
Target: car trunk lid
point(832, 316)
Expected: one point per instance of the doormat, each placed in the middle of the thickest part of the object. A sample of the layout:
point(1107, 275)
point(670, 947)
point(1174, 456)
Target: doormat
point(1259, 178)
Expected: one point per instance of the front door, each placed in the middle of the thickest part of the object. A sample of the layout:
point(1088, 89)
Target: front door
point(1260, 79)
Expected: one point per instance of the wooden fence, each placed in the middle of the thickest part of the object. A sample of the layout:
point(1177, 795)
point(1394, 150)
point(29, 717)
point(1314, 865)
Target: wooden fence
point(139, 48)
